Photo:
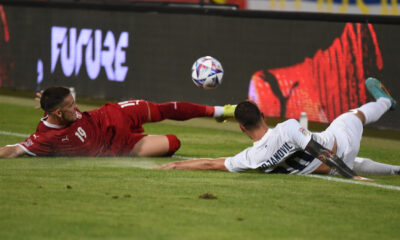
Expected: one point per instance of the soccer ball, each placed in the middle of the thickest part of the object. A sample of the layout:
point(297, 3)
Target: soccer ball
point(207, 72)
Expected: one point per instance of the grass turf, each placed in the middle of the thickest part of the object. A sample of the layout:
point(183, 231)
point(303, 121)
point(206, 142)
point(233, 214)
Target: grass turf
point(121, 198)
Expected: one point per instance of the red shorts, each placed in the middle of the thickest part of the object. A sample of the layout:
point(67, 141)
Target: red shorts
point(122, 125)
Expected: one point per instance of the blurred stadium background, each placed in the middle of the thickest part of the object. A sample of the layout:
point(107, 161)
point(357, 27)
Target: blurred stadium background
point(288, 56)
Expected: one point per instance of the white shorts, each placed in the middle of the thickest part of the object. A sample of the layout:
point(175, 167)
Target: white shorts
point(348, 129)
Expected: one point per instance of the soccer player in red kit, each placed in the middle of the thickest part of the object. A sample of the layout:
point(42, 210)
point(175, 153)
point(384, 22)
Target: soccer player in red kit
point(114, 129)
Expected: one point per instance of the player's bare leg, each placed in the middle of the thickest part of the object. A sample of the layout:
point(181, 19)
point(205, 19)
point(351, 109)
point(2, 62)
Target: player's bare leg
point(156, 146)
point(151, 146)
point(322, 169)
point(360, 115)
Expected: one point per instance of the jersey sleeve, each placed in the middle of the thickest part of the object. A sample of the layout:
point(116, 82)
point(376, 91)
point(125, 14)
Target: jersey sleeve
point(299, 135)
point(37, 145)
point(240, 162)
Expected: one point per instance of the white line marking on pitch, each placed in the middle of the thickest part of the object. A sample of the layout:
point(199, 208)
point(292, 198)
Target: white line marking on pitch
point(354, 182)
point(14, 134)
point(397, 188)
point(183, 157)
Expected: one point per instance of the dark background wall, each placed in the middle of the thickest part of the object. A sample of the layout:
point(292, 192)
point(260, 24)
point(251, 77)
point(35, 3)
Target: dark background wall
point(163, 44)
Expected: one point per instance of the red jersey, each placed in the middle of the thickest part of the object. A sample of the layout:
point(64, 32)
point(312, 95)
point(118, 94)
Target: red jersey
point(111, 130)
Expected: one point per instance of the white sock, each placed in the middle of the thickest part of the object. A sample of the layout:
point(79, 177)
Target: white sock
point(367, 166)
point(218, 111)
point(374, 110)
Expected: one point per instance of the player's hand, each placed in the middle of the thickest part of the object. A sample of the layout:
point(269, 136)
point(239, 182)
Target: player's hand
point(37, 98)
point(171, 165)
point(359, 178)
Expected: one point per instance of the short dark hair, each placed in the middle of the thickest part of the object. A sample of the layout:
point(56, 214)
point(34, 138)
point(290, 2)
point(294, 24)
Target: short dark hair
point(248, 115)
point(53, 97)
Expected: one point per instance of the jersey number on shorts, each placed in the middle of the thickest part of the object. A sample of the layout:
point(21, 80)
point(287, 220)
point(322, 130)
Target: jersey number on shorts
point(128, 103)
point(81, 134)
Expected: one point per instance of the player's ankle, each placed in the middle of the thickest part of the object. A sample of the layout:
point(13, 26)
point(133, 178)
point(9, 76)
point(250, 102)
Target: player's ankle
point(218, 111)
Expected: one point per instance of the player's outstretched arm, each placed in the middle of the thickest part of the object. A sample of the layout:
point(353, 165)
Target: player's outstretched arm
point(37, 99)
point(11, 151)
point(197, 164)
point(331, 159)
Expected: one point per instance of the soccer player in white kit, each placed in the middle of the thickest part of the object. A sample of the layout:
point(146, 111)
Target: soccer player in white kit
point(290, 148)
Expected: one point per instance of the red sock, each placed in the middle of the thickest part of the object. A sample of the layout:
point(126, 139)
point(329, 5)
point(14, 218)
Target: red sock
point(179, 111)
point(174, 144)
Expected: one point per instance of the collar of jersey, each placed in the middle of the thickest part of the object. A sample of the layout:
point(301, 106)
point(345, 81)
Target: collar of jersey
point(262, 140)
point(50, 125)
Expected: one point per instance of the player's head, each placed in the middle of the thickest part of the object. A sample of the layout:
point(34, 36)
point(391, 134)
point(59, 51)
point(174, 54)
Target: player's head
point(58, 101)
point(248, 115)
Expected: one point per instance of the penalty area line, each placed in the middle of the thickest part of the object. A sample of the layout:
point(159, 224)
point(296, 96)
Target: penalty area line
point(335, 179)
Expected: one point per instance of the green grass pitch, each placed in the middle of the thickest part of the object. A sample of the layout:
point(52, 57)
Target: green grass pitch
point(123, 198)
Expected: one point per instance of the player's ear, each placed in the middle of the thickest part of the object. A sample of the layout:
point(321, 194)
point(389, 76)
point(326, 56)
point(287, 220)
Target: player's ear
point(242, 128)
point(58, 113)
point(263, 118)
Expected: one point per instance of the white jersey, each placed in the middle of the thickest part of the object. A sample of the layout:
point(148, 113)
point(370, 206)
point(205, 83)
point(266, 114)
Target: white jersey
point(280, 150)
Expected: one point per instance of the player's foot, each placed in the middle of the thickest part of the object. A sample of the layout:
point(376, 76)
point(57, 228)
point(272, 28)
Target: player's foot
point(378, 90)
point(229, 112)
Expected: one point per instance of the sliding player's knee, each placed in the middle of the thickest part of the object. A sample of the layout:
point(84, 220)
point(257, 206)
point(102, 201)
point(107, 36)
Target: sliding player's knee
point(359, 114)
point(174, 144)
